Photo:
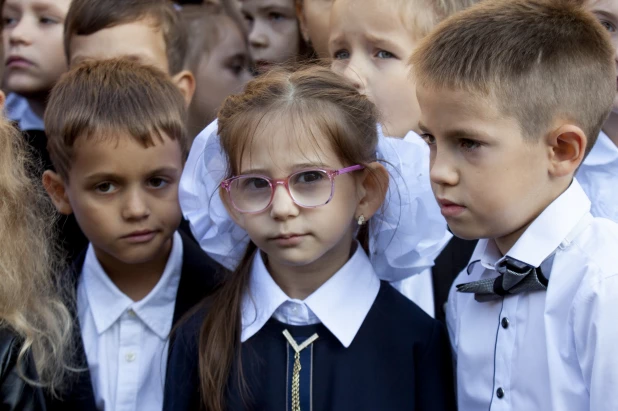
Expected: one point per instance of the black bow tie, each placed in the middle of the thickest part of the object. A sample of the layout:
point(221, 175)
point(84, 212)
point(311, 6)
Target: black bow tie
point(515, 277)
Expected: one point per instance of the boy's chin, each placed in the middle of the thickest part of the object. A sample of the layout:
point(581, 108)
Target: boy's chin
point(26, 87)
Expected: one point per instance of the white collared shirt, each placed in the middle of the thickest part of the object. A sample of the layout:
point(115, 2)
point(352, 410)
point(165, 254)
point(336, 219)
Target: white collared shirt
point(126, 342)
point(18, 109)
point(598, 176)
point(341, 303)
point(543, 351)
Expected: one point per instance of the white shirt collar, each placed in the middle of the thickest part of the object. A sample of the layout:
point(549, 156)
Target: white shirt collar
point(546, 233)
point(108, 303)
point(603, 152)
point(18, 109)
point(341, 303)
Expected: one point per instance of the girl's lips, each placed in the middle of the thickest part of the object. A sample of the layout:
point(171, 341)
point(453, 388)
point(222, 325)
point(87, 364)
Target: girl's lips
point(289, 240)
point(139, 237)
point(15, 61)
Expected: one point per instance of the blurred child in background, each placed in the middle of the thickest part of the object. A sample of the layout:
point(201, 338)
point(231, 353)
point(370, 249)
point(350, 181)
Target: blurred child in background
point(314, 20)
point(33, 57)
point(218, 55)
point(149, 31)
point(274, 33)
point(371, 44)
point(598, 174)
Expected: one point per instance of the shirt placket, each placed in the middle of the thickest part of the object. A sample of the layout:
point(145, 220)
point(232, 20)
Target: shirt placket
point(503, 355)
point(127, 385)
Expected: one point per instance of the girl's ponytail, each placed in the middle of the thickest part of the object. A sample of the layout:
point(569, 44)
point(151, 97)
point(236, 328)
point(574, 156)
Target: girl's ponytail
point(220, 335)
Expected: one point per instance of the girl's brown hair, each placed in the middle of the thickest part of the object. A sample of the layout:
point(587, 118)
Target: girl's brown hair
point(319, 102)
point(31, 303)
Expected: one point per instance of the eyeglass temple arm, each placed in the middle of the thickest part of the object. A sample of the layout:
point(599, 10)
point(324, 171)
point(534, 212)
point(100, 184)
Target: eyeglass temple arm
point(349, 169)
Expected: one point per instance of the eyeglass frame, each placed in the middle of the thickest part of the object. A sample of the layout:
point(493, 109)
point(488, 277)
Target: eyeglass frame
point(273, 183)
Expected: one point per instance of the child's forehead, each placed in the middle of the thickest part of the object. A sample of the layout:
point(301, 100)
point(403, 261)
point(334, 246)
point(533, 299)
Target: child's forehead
point(60, 6)
point(279, 143)
point(609, 8)
point(376, 21)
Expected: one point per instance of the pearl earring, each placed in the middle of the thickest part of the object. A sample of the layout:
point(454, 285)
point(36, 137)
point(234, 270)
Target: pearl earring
point(361, 220)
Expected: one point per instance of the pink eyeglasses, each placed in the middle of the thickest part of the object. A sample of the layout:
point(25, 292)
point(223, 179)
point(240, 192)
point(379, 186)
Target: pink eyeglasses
point(308, 188)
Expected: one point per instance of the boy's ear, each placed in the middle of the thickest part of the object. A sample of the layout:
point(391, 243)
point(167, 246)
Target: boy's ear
point(56, 189)
point(185, 81)
point(302, 21)
point(373, 191)
point(567, 148)
point(236, 216)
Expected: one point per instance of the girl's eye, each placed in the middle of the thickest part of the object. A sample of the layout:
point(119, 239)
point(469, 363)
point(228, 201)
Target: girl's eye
point(48, 20)
point(468, 144)
point(157, 182)
point(429, 139)
point(608, 26)
point(383, 54)
point(105, 188)
point(309, 177)
point(341, 55)
point(255, 183)
point(273, 16)
point(8, 21)
point(248, 18)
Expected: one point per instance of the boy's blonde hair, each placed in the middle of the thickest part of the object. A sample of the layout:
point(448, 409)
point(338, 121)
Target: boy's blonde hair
point(539, 60)
point(31, 295)
point(422, 16)
point(99, 99)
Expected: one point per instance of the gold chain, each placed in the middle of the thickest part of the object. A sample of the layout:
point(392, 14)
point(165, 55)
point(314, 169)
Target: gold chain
point(296, 371)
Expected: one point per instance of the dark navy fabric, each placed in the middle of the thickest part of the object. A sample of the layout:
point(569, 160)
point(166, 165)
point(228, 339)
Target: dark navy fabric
point(399, 360)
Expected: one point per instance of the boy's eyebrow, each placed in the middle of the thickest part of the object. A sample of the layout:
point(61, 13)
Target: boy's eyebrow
point(275, 7)
point(456, 133)
point(606, 14)
point(464, 133)
point(105, 175)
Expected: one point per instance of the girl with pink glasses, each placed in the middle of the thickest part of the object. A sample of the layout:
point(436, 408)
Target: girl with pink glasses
point(304, 322)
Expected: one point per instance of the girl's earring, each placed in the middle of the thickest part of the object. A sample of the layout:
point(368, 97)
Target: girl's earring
point(361, 220)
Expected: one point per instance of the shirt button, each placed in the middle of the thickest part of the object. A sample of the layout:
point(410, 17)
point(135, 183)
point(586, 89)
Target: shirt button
point(294, 308)
point(130, 357)
point(505, 322)
point(500, 393)
point(131, 313)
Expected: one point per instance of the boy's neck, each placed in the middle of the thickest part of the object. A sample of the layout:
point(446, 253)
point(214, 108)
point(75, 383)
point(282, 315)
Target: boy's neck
point(299, 282)
point(37, 105)
point(136, 281)
point(611, 127)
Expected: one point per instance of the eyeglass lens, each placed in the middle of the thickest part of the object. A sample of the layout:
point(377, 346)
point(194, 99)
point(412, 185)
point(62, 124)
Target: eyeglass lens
point(311, 188)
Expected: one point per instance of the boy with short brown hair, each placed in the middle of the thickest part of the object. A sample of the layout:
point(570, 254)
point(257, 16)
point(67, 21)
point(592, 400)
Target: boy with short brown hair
point(513, 94)
point(118, 143)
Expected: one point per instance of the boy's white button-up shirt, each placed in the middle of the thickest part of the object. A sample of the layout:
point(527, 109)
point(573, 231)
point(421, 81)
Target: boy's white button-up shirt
point(598, 176)
point(543, 351)
point(126, 342)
